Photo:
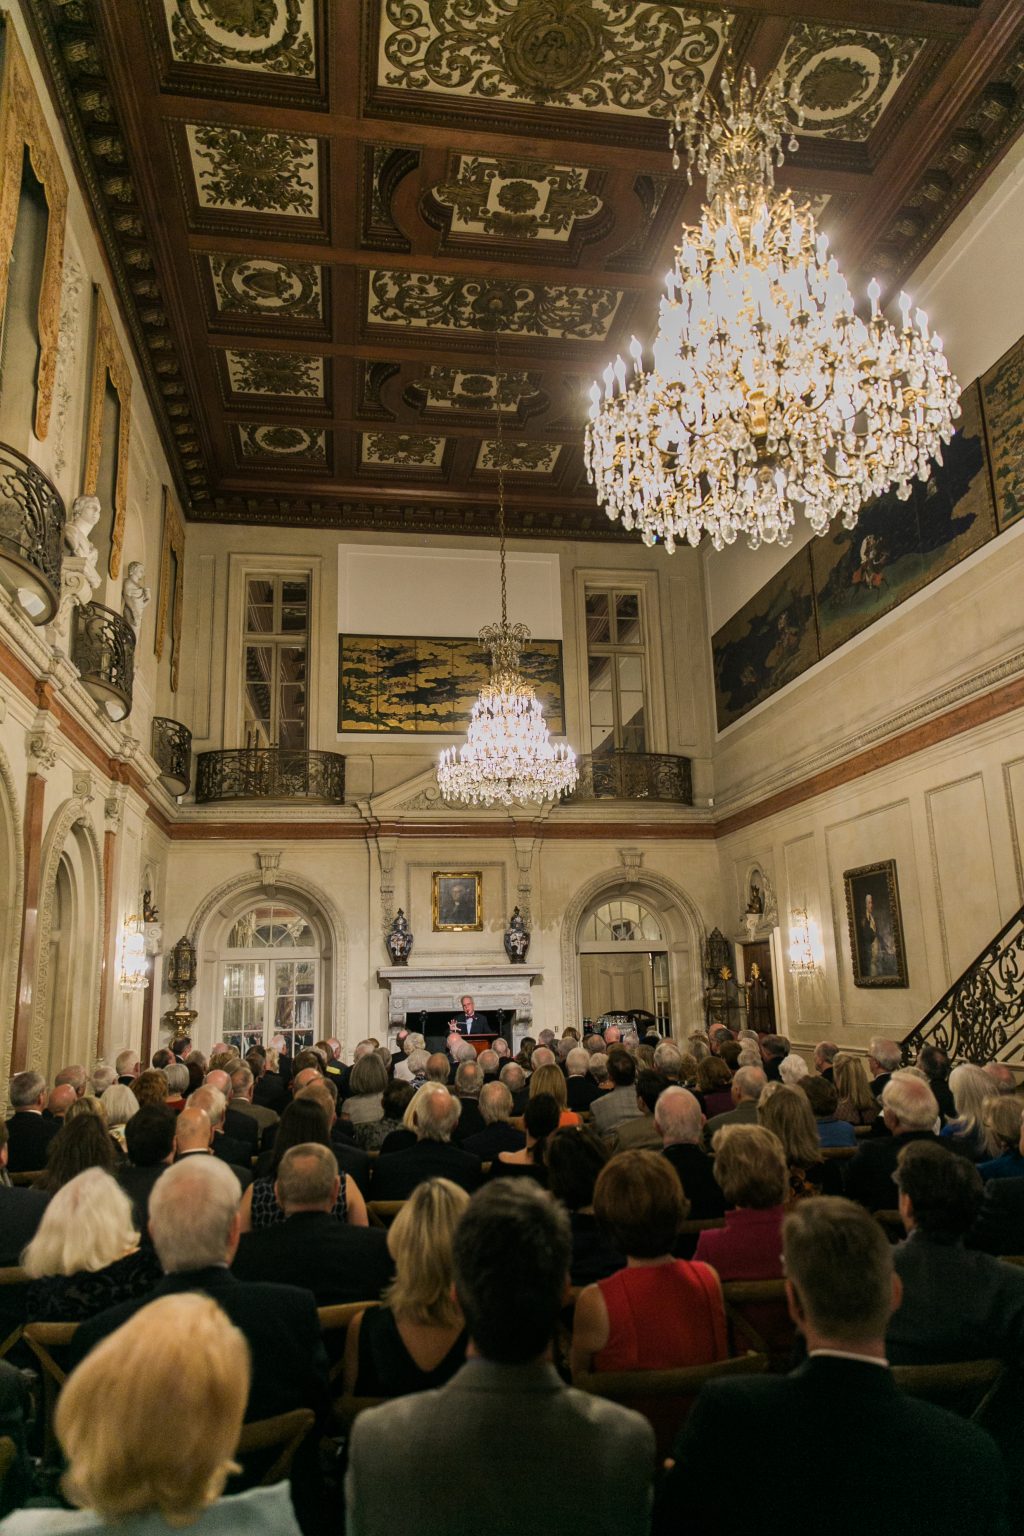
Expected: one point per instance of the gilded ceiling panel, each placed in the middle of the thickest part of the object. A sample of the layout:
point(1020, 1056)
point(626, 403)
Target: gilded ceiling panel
point(842, 79)
point(275, 373)
point(251, 170)
point(264, 285)
point(429, 301)
point(274, 36)
point(516, 199)
point(604, 55)
point(403, 449)
point(518, 458)
point(444, 388)
point(286, 444)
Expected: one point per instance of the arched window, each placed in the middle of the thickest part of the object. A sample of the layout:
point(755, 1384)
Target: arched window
point(622, 922)
point(270, 978)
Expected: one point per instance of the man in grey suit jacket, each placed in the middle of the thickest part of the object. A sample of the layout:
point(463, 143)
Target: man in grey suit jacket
point(511, 1274)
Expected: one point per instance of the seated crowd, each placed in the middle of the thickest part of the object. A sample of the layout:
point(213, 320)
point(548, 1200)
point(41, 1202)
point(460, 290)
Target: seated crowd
point(505, 1232)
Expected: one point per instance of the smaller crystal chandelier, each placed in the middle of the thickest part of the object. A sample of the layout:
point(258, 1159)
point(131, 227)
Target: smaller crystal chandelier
point(768, 395)
point(133, 977)
point(801, 955)
point(508, 756)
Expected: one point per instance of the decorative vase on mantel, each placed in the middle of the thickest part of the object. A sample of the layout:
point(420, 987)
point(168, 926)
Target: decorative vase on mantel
point(399, 939)
point(517, 938)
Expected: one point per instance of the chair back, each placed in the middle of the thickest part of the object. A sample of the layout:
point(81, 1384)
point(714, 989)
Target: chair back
point(41, 1339)
point(666, 1397)
point(13, 1295)
point(383, 1212)
point(284, 1433)
point(838, 1154)
point(758, 1316)
point(334, 1323)
point(1013, 1258)
point(345, 1411)
point(695, 1228)
point(23, 1180)
point(967, 1387)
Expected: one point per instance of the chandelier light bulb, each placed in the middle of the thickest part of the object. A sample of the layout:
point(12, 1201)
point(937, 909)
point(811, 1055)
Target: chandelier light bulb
point(769, 396)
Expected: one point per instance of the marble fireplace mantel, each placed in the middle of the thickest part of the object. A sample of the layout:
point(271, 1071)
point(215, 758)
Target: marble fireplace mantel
point(438, 987)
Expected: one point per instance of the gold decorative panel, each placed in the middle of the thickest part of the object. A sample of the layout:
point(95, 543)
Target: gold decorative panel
point(171, 596)
point(276, 37)
point(108, 361)
point(842, 79)
point(22, 126)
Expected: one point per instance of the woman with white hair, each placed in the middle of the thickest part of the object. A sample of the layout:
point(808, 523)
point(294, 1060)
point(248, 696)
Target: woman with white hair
point(970, 1087)
point(177, 1077)
point(119, 1105)
point(792, 1068)
point(85, 1256)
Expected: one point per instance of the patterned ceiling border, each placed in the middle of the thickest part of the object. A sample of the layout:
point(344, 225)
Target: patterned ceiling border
point(563, 521)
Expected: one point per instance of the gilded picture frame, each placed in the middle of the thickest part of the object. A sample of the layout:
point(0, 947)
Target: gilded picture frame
point(171, 595)
point(877, 951)
point(108, 360)
point(456, 900)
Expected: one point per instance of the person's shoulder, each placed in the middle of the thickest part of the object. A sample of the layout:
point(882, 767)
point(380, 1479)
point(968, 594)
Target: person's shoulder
point(43, 1522)
point(930, 1434)
point(269, 1299)
point(394, 1423)
point(257, 1509)
point(610, 1420)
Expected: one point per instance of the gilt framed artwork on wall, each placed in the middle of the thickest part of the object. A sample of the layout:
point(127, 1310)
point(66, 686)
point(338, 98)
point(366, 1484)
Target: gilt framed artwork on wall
point(876, 927)
point(456, 902)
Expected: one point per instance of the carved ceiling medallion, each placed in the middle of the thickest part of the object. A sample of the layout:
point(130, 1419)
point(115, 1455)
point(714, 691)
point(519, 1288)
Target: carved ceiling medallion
point(444, 388)
point(400, 448)
point(261, 285)
point(843, 79)
point(516, 199)
point(271, 35)
point(283, 442)
point(428, 301)
point(518, 458)
point(605, 54)
point(275, 373)
point(250, 170)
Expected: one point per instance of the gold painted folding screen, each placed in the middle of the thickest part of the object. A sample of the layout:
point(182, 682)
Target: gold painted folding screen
point(22, 126)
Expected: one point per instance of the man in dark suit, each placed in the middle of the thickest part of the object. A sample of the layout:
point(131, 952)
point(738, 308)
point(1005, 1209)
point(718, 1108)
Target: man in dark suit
point(28, 1133)
point(679, 1122)
point(511, 1259)
point(233, 1123)
point(21, 1211)
point(471, 1022)
point(194, 1223)
point(432, 1157)
point(269, 1090)
point(242, 1086)
point(884, 1057)
point(947, 1475)
point(999, 1226)
point(149, 1139)
point(498, 1135)
point(311, 1247)
point(194, 1137)
point(825, 1054)
point(350, 1159)
point(469, 1079)
point(580, 1087)
point(230, 1149)
point(514, 1078)
point(957, 1304)
point(774, 1050)
point(909, 1111)
point(936, 1066)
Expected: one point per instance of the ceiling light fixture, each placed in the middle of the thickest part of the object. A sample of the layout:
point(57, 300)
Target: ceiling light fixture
point(768, 396)
point(508, 756)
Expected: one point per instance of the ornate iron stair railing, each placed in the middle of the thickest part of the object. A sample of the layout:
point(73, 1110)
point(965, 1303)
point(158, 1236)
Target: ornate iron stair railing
point(981, 1017)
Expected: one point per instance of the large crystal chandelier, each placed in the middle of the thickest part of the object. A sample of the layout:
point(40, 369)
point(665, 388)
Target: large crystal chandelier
point(768, 396)
point(508, 756)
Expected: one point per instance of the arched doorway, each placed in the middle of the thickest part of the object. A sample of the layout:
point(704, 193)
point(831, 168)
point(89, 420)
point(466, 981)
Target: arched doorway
point(623, 962)
point(65, 1013)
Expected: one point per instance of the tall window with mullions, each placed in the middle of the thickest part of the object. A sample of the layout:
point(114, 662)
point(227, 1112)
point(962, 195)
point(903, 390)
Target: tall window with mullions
point(276, 661)
point(617, 671)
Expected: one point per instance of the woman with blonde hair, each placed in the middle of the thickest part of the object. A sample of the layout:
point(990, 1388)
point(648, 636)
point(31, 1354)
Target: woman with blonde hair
point(970, 1087)
point(85, 1256)
point(177, 1362)
point(550, 1080)
point(787, 1112)
point(1001, 1118)
point(857, 1104)
point(416, 1339)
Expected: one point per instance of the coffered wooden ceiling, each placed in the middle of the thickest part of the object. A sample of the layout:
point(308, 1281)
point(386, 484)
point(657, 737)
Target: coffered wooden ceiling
point(310, 206)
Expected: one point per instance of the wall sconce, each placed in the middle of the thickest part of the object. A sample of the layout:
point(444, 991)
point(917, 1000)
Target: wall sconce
point(801, 955)
point(133, 976)
point(181, 978)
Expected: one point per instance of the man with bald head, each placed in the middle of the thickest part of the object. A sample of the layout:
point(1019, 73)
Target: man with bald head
point(438, 1068)
point(194, 1137)
point(239, 1127)
point(432, 1156)
point(60, 1101)
point(679, 1121)
point(77, 1077)
point(225, 1146)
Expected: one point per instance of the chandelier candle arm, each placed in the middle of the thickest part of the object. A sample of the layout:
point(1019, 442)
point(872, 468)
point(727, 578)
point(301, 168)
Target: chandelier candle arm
point(768, 396)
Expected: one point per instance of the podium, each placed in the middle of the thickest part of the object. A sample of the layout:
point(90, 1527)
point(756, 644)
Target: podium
point(481, 1042)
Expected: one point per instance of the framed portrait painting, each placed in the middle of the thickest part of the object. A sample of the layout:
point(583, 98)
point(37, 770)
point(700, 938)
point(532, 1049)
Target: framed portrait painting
point(456, 901)
point(876, 927)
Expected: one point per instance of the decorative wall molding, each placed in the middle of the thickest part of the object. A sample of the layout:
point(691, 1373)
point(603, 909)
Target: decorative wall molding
point(69, 336)
point(11, 834)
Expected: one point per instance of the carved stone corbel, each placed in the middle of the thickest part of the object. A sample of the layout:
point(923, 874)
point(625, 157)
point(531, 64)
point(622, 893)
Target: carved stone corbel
point(270, 862)
point(76, 589)
point(113, 808)
point(42, 752)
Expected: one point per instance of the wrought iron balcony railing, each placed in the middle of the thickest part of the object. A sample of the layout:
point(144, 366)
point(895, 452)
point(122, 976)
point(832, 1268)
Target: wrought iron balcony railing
point(270, 773)
point(103, 650)
point(172, 752)
point(981, 1017)
point(31, 535)
point(634, 776)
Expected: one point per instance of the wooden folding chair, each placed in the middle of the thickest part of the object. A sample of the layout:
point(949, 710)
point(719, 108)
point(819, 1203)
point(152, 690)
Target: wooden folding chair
point(334, 1323)
point(284, 1433)
point(41, 1338)
point(666, 1397)
point(1007, 1258)
point(24, 1180)
point(838, 1154)
point(383, 1212)
point(965, 1386)
point(758, 1316)
point(694, 1228)
point(12, 1307)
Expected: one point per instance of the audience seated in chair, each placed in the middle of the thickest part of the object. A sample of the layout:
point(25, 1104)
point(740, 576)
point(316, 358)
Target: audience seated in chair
point(82, 1142)
point(971, 1087)
point(752, 1173)
point(640, 1204)
point(304, 1121)
point(194, 1136)
point(29, 1133)
point(511, 1258)
point(746, 1088)
point(1002, 1122)
point(417, 1339)
point(620, 1103)
point(680, 1123)
point(86, 1257)
point(177, 1366)
point(364, 1105)
point(643, 1132)
point(858, 1104)
point(840, 1407)
point(541, 1119)
point(237, 1151)
point(21, 1210)
point(575, 1157)
point(469, 1080)
point(935, 1064)
point(498, 1134)
point(884, 1057)
point(435, 1114)
point(195, 1227)
point(787, 1112)
point(149, 1140)
point(957, 1304)
point(310, 1245)
point(119, 1105)
point(243, 1090)
point(581, 1090)
point(910, 1112)
point(548, 1079)
point(824, 1101)
point(714, 1087)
